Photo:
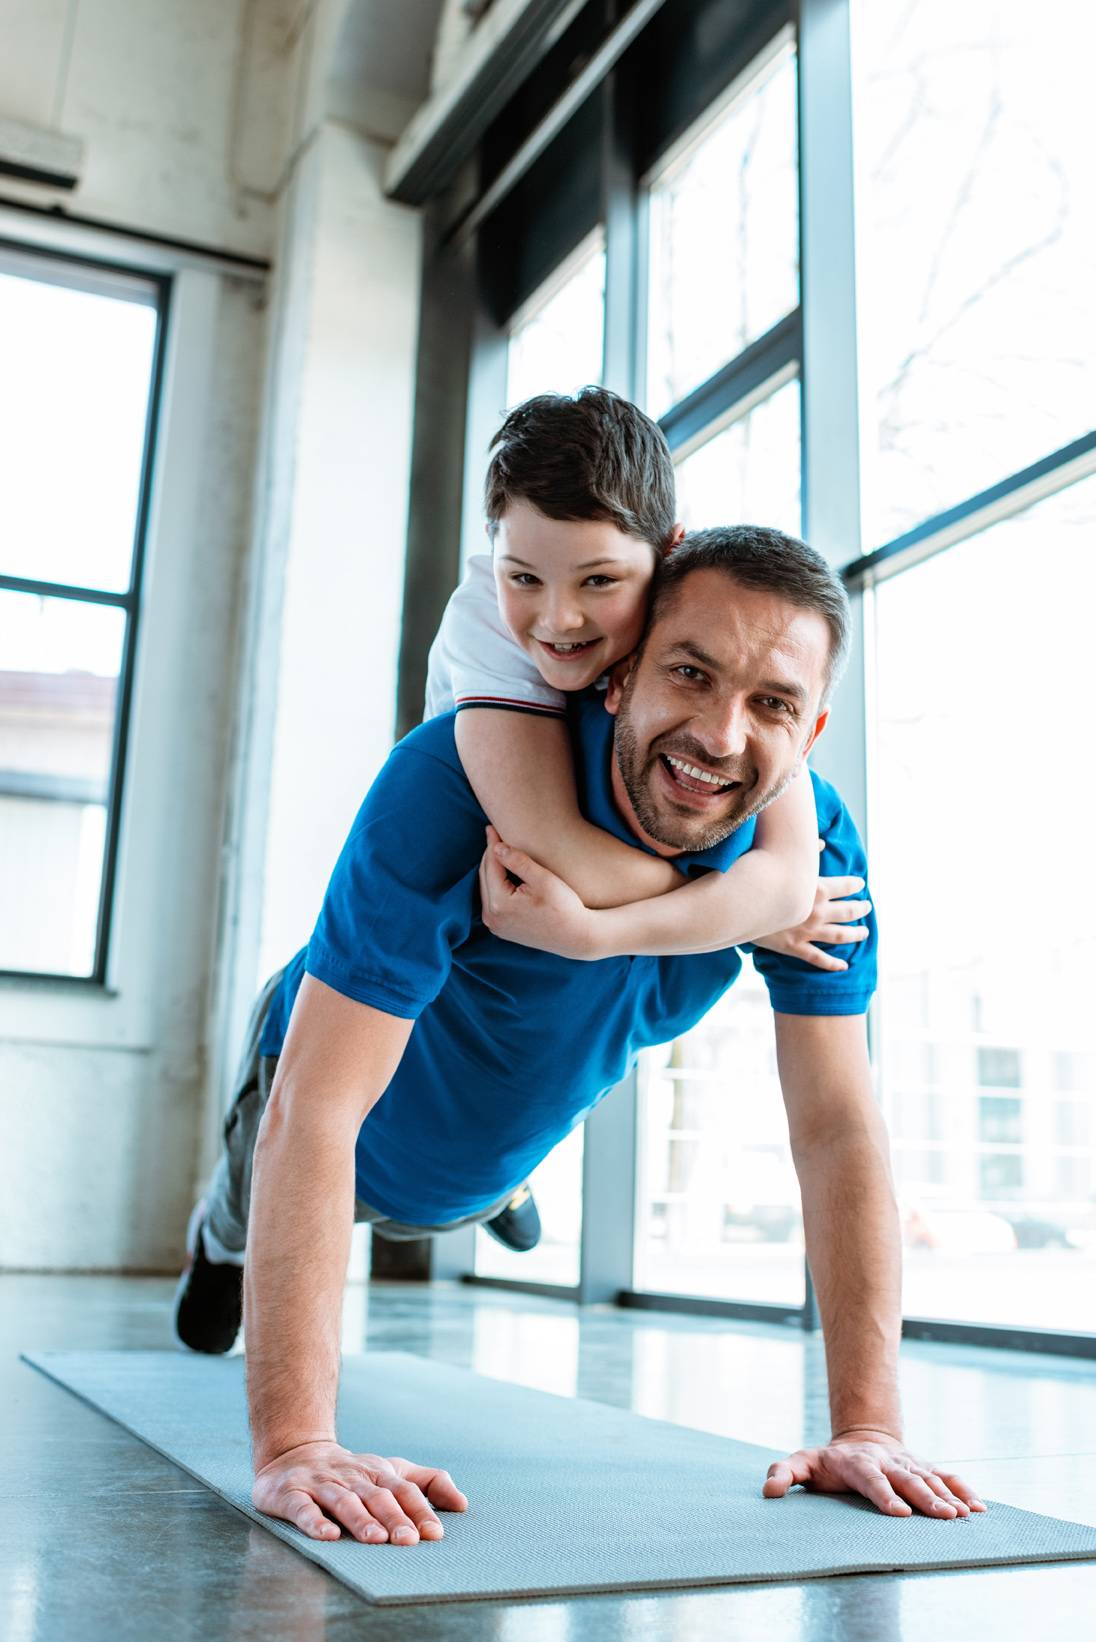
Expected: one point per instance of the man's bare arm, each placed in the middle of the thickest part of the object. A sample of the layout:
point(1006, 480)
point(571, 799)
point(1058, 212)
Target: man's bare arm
point(850, 1218)
point(854, 1248)
point(338, 1059)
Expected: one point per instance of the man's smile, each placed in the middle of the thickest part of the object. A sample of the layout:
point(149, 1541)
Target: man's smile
point(685, 780)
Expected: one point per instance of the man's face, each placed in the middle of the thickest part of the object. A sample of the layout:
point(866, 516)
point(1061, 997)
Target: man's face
point(717, 713)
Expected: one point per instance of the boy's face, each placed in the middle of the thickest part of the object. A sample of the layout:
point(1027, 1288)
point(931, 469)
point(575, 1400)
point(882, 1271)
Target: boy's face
point(573, 592)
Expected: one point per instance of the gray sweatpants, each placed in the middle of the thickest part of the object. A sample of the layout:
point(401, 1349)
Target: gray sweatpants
point(228, 1197)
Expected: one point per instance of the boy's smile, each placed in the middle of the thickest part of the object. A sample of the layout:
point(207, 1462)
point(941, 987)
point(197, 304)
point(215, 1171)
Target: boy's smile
point(573, 592)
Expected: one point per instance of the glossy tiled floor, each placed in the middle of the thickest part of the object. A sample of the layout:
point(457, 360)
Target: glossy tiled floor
point(100, 1537)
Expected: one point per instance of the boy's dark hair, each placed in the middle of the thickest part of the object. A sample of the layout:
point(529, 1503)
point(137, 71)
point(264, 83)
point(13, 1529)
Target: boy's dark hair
point(594, 456)
point(767, 560)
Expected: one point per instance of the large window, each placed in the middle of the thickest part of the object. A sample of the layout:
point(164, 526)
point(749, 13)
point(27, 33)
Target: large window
point(717, 1195)
point(981, 830)
point(78, 349)
point(976, 175)
point(850, 272)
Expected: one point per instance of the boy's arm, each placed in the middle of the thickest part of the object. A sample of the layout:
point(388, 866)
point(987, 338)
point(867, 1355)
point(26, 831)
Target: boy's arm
point(770, 887)
point(771, 884)
point(520, 768)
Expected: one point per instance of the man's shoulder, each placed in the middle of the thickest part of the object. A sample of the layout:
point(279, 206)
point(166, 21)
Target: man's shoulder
point(434, 738)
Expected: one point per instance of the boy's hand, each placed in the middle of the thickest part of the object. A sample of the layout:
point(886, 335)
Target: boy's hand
point(832, 920)
point(541, 911)
point(325, 1490)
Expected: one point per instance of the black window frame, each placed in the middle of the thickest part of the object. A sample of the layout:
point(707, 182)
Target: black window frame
point(128, 601)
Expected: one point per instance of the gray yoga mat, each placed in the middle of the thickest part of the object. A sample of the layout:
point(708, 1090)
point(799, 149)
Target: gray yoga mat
point(565, 1496)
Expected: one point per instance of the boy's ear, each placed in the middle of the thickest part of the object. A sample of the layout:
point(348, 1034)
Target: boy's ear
point(819, 725)
point(618, 675)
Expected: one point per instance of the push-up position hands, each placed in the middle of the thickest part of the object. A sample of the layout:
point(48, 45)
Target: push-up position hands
point(325, 1490)
point(875, 1464)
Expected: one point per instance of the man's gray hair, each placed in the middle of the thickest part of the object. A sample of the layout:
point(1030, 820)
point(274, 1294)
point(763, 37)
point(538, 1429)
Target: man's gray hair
point(769, 562)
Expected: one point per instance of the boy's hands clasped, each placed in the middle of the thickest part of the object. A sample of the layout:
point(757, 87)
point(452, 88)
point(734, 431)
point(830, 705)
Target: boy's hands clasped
point(325, 1490)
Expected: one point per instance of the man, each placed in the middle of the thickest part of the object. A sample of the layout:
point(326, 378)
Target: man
point(488, 1052)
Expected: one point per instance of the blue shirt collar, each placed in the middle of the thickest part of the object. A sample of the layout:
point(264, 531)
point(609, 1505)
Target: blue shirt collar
point(592, 734)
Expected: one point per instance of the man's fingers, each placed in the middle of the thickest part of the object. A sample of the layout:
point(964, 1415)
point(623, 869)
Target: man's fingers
point(345, 1504)
point(916, 1491)
point(438, 1486)
point(302, 1511)
point(382, 1503)
point(962, 1490)
point(418, 1508)
point(784, 1474)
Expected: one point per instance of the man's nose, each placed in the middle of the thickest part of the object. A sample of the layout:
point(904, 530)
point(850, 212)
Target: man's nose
point(724, 728)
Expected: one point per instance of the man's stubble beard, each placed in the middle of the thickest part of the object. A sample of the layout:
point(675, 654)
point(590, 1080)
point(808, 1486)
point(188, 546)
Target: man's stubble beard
point(631, 764)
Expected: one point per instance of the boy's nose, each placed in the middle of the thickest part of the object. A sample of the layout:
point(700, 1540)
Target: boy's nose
point(565, 617)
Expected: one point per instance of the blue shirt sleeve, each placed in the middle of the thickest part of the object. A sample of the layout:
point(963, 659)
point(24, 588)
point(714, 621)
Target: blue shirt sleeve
point(403, 892)
point(797, 987)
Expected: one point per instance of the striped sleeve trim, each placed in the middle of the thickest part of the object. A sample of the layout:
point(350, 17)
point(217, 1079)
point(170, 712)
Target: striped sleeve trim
point(509, 704)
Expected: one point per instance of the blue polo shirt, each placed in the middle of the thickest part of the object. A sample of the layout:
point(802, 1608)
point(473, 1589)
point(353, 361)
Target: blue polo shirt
point(511, 1047)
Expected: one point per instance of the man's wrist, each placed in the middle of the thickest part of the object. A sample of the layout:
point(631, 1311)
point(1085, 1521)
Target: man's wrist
point(884, 1428)
point(269, 1449)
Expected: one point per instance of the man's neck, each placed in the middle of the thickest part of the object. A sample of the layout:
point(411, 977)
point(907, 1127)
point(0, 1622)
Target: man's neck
point(628, 814)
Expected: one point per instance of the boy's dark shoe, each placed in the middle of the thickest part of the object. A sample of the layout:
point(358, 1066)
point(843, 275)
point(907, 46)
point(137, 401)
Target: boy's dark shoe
point(517, 1226)
point(209, 1301)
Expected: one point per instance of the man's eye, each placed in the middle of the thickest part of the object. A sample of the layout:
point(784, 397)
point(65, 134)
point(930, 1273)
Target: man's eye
point(691, 675)
point(775, 704)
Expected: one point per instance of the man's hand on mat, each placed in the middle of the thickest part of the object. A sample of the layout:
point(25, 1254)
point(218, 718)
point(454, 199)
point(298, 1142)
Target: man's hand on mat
point(833, 921)
point(324, 1490)
point(875, 1464)
point(542, 911)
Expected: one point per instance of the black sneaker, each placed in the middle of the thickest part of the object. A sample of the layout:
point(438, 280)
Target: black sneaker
point(209, 1301)
point(517, 1226)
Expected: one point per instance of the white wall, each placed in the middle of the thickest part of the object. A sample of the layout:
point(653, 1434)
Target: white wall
point(265, 686)
point(319, 676)
point(185, 108)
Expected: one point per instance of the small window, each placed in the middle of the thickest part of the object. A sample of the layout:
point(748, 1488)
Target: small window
point(1000, 1120)
point(999, 1068)
point(1001, 1175)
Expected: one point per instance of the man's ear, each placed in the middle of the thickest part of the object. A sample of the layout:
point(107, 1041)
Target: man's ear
point(618, 677)
point(676, 535)
point(819, 725)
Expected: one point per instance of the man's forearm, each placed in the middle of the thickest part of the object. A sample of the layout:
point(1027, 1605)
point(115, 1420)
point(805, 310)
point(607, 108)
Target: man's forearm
point(298, 1246)
point(854, 1248)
